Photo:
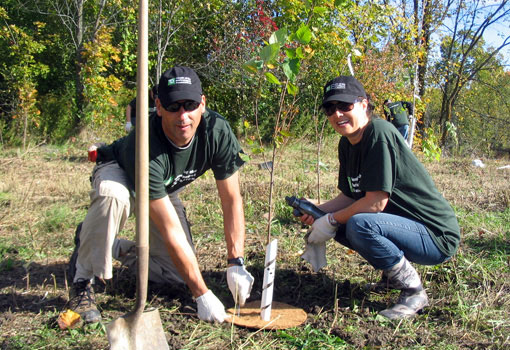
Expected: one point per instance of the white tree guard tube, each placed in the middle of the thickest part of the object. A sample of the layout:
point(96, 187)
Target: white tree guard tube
point(268, 284)
point(349, 63)
point(410, 137)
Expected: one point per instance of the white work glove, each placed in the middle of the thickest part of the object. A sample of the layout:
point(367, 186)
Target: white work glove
point(315, 254)
point(128, 126)
point(321, 230)
point(210, 308)
point(239, 282)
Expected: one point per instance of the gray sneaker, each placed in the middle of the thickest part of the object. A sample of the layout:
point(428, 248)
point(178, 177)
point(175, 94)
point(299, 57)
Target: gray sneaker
point(409, 303)
point(83, 301)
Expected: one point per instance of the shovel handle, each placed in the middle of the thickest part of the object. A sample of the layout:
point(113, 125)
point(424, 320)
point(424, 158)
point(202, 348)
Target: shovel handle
point(142, 160)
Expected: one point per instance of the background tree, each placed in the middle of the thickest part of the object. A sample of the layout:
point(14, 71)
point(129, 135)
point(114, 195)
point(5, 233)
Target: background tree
point(425, 16)
point(82, 20)
point(464, 53)
point(80, 60)
point(19, 70)
point(483, 114)
point(429, 15)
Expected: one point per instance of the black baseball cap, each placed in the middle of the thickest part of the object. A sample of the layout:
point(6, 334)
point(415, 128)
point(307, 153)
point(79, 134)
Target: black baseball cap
point(179, 83)
point(344, 89)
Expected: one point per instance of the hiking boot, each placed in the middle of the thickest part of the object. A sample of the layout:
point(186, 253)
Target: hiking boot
point(71, 268)
point(83, 301)
point(409, 303)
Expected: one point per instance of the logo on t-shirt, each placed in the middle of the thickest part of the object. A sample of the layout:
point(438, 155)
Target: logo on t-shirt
point(354, 183)
point(186, 177)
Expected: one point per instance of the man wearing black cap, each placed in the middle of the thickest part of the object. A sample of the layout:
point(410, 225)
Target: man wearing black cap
point(185, 140)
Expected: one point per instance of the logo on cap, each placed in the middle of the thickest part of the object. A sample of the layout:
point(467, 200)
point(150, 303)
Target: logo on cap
point(179, 80)
point(336, 86)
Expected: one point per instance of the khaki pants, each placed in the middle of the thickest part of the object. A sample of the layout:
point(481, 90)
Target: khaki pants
point(110, 206)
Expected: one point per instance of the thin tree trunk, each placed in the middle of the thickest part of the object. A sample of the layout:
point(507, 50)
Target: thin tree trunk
point(78, 64)
point(425, 45)
point(25, 127)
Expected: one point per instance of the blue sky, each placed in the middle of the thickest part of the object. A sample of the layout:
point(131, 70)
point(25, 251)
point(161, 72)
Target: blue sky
point(493, 37)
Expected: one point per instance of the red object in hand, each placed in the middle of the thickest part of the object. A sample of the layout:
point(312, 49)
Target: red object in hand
point(93, 153)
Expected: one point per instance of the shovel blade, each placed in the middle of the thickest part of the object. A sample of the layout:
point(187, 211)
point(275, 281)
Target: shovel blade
point(137, 331)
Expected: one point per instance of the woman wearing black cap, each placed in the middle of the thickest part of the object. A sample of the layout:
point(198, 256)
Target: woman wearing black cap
point(389, 209)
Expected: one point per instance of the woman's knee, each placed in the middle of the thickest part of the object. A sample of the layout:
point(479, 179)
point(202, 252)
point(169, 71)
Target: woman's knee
point(359, 229)
point(355, 225)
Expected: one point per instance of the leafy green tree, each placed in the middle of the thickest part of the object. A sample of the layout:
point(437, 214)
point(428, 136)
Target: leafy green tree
point(100, 84)
point(19, 70)
point(281, 57)
point(82, 21)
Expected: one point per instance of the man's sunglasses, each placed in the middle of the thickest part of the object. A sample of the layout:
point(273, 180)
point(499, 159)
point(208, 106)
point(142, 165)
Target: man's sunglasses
point(331, 108)
point(188, 106)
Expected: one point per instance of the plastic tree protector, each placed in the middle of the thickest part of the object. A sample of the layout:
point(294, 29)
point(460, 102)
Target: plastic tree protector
point(268, 284)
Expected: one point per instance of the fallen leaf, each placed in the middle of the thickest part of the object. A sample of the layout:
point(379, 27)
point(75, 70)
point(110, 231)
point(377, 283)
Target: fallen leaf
point(68, 319)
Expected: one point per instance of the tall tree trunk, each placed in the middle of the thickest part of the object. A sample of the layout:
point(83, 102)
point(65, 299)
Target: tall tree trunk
point(425, 46)
point(447, 116)
point(78, 64)
point(158, 38)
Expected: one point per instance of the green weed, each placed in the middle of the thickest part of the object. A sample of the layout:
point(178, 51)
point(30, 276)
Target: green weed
point(310, 338)
point(57, 218)
point(5, 199)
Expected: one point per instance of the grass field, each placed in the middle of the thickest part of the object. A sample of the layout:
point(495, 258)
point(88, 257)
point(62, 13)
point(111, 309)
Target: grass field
point(44, 195)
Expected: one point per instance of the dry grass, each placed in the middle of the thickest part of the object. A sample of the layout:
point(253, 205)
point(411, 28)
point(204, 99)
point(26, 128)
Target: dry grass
point(44, 194)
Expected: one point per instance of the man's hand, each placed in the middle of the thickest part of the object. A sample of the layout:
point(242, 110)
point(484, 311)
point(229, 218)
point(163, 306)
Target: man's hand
point(128, 126)
point(210, 308)
point(321, 231)
point(240, 282)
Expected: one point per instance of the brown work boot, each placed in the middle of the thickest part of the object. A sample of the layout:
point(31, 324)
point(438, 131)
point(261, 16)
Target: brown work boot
point(412, 297)
point(83, 301)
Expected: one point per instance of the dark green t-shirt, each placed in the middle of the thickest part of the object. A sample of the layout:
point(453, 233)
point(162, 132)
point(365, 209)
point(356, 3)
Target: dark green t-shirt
point(382, 161)
point(396, 113)
point(214, 147)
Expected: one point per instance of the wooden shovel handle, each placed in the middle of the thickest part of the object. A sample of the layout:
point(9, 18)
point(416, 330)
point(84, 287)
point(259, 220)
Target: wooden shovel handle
point(142, 160)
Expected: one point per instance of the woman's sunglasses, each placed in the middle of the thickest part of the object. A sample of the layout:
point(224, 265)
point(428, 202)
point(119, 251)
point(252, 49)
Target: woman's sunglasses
point(331, 108)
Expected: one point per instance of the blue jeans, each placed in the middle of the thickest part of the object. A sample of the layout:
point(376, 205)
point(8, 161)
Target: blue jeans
point(383, 239)
point(404, 130)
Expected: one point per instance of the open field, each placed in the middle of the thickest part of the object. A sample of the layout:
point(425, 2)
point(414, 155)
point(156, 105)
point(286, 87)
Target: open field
point(44, 195)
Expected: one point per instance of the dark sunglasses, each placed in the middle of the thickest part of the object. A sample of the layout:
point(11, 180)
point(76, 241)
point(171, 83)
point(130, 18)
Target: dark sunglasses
point(331, 108)
point(188, 106)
